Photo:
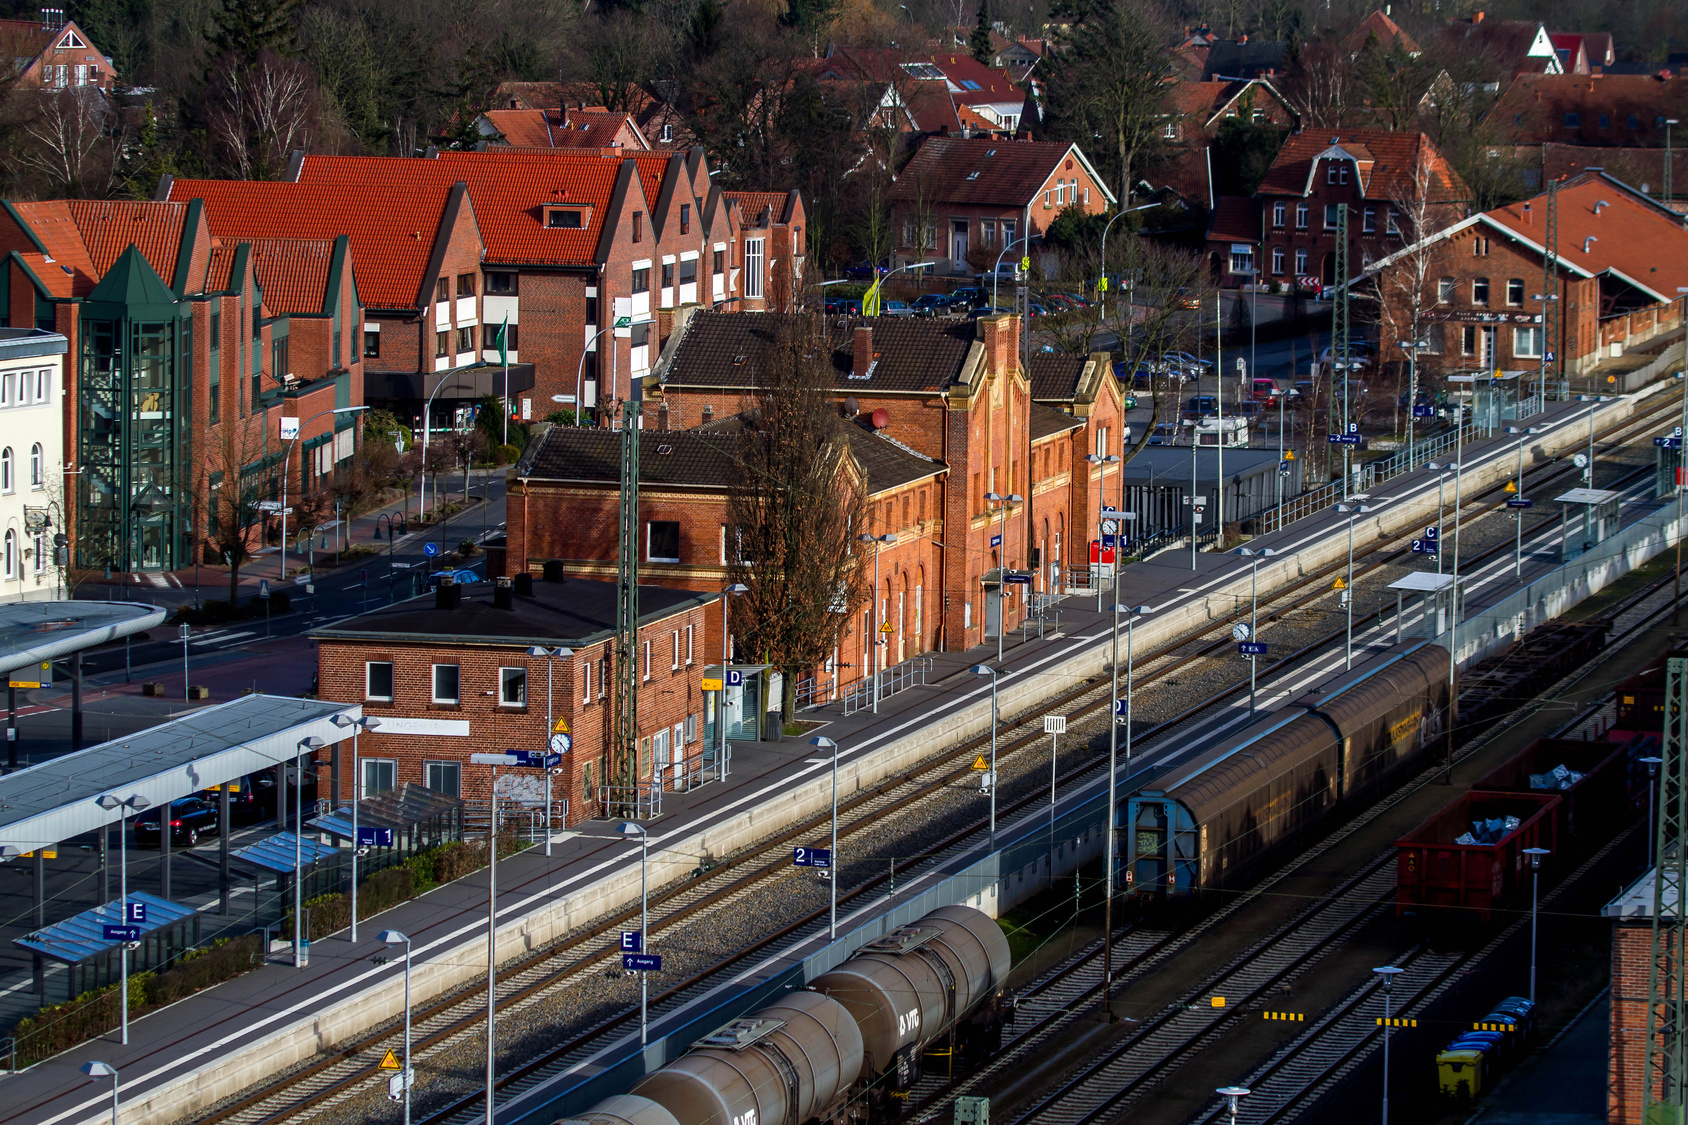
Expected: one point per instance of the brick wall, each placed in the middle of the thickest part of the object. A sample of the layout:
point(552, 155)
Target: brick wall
point(1632, 944)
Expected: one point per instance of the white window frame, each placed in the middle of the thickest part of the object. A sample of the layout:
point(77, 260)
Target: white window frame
point(1280, 213)
point(37, 467)
point(1301, 261)
point(392, 677)
point(754, 258)
point(674, 643)
point(586, 681)
point(651, 556)
point(11, 560)
point(502, 679)
point(1278, 260)
point(647, 665)
point(1303, 215)
point(445, 765)
point(374, 765)
point(689, 647)
point(40, 545)
point(1530, 350)
point(434, 684)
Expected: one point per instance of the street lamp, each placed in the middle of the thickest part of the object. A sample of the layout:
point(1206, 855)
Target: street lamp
point(133, 803)
point(876, 661)
point(286, 460)
point(1254, 558)
point(1388, 973)
point(1101, 302)
point(1535, 855)
point(1104, 460)
point(98, 1070)
point(1441, 472)
point(580, 368)
point(1518, 548)
point(996, 270)
point(737, 590)
point(1232, 1093)
point(628, 828)
point(357, 726)
point(307, 745)
point(1652, 764)
point(1113, 784)
point(878, 287)
point(990, 778)
point(394, 937)
point(548, 654)
point(1351, 510)
point(832, 862)
point(493, 760)
point(1002, 506)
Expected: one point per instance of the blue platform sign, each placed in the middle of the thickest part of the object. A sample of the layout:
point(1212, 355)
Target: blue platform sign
point(374, 837)
point(1424, 412)
point(1251, 648)
point(536, 759)
point(1119, 708)
point(632, 941)
point(641, 962)
point(1433, 533)
point(1519, 503)
point(1014, 577)
point(430, 549)
point(734, 679)
point(996, 540)
point(1668, 442)
point(1425, 547)
point(263, 587)
point(121, 933)
point(812, 857)
point(135, 913)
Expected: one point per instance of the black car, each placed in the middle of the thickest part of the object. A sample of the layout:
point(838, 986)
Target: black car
point(1201, 406)
point(251, 798)
point(968, 297)
point(931, 304)
point(190, 818)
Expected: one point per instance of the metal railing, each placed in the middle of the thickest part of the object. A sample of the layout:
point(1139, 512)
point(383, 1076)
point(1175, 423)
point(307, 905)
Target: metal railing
point(1296, 507)
point(812, 691)
point(644, 800)
point(910, 673)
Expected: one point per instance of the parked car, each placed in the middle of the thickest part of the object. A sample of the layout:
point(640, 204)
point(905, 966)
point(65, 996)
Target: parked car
point(1185, 362)
point(895, 308)
point(843, 306)
point(968, 297)
point(987, 310)
point(190, 818)
point(1263, 390)
point(1035, 309)
point(1005, 270)
point(1200, 406)
point(931, 304)
point(251, 798)
point(1358, 352)
point(864, 271)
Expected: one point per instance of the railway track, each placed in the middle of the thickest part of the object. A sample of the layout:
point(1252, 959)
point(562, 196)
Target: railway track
point(330, 1080)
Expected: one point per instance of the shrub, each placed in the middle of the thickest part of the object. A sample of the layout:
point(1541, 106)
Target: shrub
point(505, 454)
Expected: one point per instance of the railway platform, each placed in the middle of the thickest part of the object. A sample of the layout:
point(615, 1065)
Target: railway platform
point(213, 1044)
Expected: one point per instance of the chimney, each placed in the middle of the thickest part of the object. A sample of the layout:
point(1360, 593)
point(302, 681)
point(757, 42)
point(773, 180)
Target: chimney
point(523, 584)
point(553, 571)
point(662, 416)
point(1241, 39)
point(709, 412)
point(861, 363)
point(1001, 337)
point(501, 596)
point(1476, 18)
point(446, 594)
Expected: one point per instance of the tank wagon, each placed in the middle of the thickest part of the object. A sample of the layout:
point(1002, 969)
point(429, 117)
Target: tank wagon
point(842, 1049)
point(1211, 821)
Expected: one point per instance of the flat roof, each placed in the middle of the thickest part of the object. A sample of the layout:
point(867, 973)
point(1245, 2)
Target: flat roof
point(1423, 582)
point(31, 343)
point(82, 936)
point(1587, 496)
point(56, 800)
point(573, 613)
point(1636, 901)
point(31, 632)
point(1170, 465)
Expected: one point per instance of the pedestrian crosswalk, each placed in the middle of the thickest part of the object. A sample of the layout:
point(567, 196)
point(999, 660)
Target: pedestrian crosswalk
point(219, 638)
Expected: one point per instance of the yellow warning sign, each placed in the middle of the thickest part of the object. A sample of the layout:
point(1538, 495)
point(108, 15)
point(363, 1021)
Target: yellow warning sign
point(1025, 264)
point(1289, 455)
point(562, 727)
point(711, 684)
point(886, 628)
point(979, 763)
point(1340, 584)
point(1510, 487)
point(390, 1061)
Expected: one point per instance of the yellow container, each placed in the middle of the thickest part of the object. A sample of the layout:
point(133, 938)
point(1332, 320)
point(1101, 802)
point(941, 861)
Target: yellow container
point(1460, 1073)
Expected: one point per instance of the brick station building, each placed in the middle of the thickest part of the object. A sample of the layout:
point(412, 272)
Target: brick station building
point(449, 675)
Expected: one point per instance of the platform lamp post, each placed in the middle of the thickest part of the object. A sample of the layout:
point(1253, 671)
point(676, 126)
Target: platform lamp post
point(1523, 432)
point(394, 937)
point(1003, 503)
point(1103, 460)
point(368, 722)
point(98, 1070)
point(493, 760)
point(1254, 558)
point(1130, 613)
point(1441, 472)
point(832, 862)
point(1535, 855)
point(987, 670)
point(628, 828)
point(308, 745)
point(549, 655)
point(737, 590)
point(1652, 764)
point(129, 804)
point(1231, 1094)
point(1412, 348)
point(1388, 973)
point(1351, 510)
point(877, 663)
point(1546, 300)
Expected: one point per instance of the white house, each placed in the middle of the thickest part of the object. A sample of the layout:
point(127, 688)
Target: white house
point(32, 493)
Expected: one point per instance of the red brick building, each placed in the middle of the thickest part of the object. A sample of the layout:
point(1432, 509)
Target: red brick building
point(1632, 969)
point(52, 53)
point(449, 675)
point(560, 128)
point(1609, 110)
point(961, 201)
point(1621, 258)
point(555, 245)
point(1287, 231)
point(236, 335)
point(1197, 111)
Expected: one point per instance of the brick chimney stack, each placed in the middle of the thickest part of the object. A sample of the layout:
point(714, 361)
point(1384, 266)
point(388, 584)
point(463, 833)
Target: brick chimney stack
point(1001, 337)
point(861, 352)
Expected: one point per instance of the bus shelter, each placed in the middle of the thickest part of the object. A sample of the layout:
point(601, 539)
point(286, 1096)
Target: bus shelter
point(79, 943)
point(1432, 604)
point(1586, 517)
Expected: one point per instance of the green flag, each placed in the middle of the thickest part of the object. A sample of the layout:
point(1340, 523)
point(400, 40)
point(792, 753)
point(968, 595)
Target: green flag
point(504, 334)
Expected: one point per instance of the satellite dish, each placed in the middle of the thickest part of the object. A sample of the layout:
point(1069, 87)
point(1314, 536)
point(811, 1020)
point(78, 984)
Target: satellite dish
point(881, 418)
point(852, 407)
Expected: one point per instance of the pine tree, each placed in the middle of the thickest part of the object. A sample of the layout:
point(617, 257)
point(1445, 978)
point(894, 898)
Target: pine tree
point(245, 28)
point(980, 41)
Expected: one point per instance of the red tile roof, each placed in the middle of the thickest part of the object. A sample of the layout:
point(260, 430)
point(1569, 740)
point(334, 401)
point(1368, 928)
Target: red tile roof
point(1631, 236)
point(1388, 32)
point(994, 173)
point(1235, 219)
point(293, 273)
point(1534, 108)
point(110, 227)
point(752, 203)
point(1639, 167)
point(564, 128)
point(1388, 164)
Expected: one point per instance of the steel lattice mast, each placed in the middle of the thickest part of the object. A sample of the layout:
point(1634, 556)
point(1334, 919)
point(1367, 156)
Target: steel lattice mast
point(622, 775)
point(1666, 1090)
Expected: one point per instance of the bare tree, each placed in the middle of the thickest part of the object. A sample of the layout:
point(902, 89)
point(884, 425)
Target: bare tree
point(265, 112)
point(232, 515)
point(796, 504)
point(69, 141)
point(1407, 286)
point(1164, 290)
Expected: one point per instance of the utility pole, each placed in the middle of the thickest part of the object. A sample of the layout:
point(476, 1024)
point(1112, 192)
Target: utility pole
point(1667, 987)
point(621, 772)
point(1550, 286)
point(1339, 337)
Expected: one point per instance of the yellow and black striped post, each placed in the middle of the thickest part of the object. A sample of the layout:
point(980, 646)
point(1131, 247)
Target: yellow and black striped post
point(1292, 1017)
point(1396, 1022)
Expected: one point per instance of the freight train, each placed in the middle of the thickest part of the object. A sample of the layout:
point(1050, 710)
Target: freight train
point(844, 1049)
point(1211, 822)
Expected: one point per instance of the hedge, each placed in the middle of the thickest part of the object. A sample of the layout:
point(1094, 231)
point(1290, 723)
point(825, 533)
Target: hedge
point(59, 1027)
point(417, 875)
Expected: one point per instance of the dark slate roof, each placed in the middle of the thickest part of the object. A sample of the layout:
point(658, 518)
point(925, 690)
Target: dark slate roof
point(673, 457)
point(724, 349)
point(1054, 376)
point(574, 612)
point(1047, 420)
point(1244, 60)
point(887, 462)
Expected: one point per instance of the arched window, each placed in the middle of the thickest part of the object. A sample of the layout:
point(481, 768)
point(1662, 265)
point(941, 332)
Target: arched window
point(6, 483)
point(11, 559)
point(40, 545)
point(37, 466)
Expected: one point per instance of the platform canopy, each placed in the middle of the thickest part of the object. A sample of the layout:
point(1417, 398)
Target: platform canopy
point(1423, 582)
point(56, 800)
point(31, 632)
point(1587, 496)
point(275, 853)
point(82, 937)
point(398, 809)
